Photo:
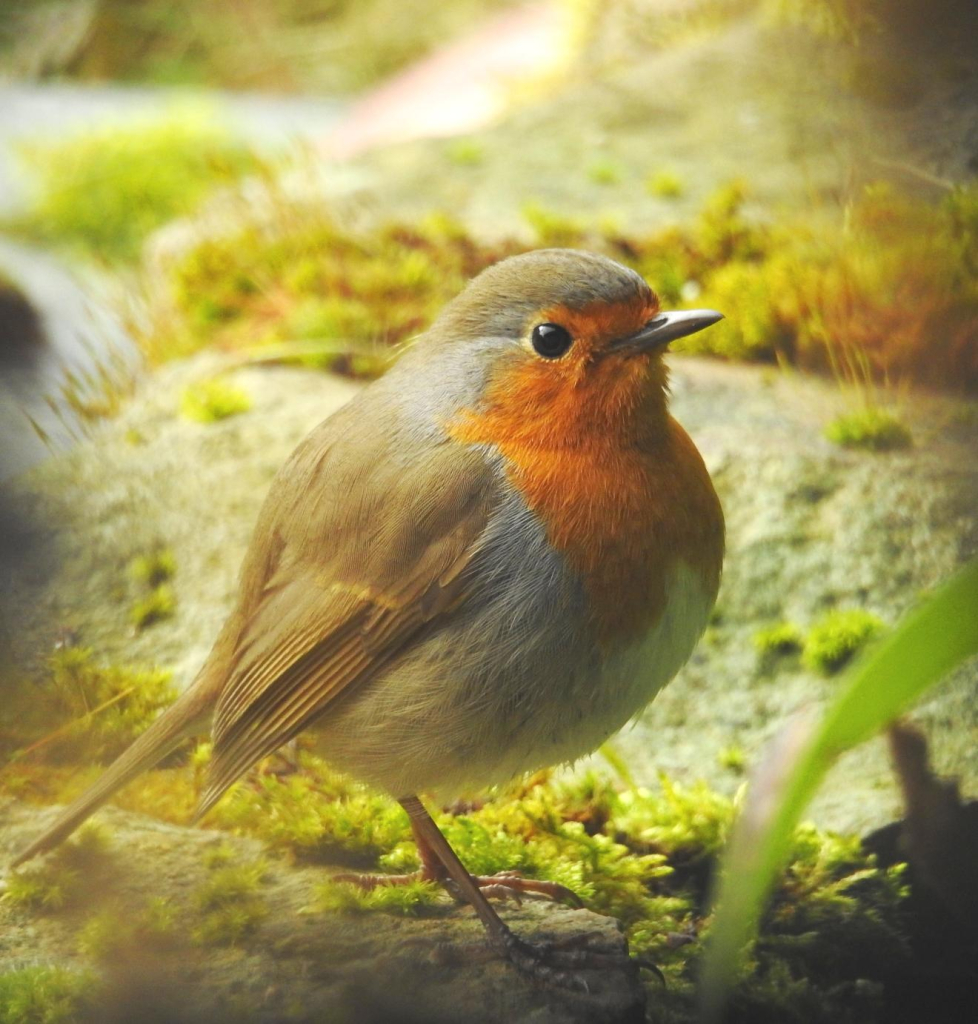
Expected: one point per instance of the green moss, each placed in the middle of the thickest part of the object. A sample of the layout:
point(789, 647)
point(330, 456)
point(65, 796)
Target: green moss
point(65, 878)
point(837, 637)
point(104, 191)
point(154, 568)
point(315, 814)
point(466, 152)
point(157, 42)
point(824, 295)
point(109, 933)
point(733, 759)
point(45, 995)
point(604, 172)
point(665, 184)
point(159, 604)
point(408, 900)
point(778, 639)
point(231, 904)
point(211, 400)
point(81, 710)
point(873, 428)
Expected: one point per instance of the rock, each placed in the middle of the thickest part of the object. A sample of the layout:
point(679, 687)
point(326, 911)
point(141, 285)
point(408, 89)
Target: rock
point(302, 964)
point(810, 526)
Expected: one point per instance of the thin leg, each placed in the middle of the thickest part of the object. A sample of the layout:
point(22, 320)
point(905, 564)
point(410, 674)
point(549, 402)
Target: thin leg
point(506, 885)
point(547, 964)
point(434, 843)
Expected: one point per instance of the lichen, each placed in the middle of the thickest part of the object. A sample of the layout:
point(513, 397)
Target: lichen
point(835, 638)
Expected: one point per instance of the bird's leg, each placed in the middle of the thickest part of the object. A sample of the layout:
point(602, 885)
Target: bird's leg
point(506, 885)
point(553, 964)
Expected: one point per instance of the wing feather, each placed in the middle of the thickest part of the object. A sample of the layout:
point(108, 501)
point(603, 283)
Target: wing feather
point(345, 571)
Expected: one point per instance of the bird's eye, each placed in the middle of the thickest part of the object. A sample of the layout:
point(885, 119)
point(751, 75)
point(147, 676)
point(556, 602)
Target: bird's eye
point(550, 340)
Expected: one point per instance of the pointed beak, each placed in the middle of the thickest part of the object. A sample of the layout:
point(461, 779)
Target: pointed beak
point(666, 327)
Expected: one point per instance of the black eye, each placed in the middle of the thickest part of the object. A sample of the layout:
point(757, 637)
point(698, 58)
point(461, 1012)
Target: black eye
point(551, 340)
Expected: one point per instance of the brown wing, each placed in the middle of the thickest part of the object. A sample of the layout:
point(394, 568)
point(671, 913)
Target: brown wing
point(359, 547)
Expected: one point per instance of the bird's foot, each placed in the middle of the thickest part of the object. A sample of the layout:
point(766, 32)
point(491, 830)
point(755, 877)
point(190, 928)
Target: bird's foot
point(558, 963)
point(505, 885)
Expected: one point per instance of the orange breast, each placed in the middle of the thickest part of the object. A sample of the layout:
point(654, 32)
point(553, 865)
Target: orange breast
point(622, 509)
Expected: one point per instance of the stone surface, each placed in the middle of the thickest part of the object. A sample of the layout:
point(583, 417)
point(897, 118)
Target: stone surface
point(302, 964)
point(810, 526)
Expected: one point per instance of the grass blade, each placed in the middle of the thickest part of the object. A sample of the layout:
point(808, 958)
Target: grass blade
point(938, 635)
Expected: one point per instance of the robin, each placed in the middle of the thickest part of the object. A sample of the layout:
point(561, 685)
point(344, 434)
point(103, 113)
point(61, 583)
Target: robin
point(485, 563)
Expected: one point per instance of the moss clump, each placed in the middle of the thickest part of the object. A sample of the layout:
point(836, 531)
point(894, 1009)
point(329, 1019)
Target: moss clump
point(81, 710)
point(109, 933)
point(159, 604)
point(665, 184)
point(66, 876)
point(45, 995)
point(155, 568)
point(778, 639)
point(888, 289)
point(409, 900)
point(834, 640)
point(231, 904)
point(211, 400)
point(604, 172)
point(104, 191)
point(307, 283)
point(873, 428)
point(466, 152)
point(315, 814)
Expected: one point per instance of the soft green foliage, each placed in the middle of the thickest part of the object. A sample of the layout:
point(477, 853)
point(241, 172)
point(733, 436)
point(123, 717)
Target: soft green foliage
point(159, 604)
point(104, 191)
point(111, 932)
point(888, 288)
point(319, 47)
point(315, 814)
point(778, 639)
point(872, 427)
point(408, 900)
point(931, 641)
point(604, 172)
point(307, 280)
point(98, 709)
point(154, 568)
point(65, 878)
point(208, 401)
point(836, 637)
point(665, 184)
point(231, 904)
point(45, 995)
point(466, 152)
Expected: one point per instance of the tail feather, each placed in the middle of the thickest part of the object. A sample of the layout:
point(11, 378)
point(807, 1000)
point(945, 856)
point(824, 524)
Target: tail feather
point(190, 714)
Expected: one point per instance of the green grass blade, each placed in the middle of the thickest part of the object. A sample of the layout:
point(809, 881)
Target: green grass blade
point(938, 635)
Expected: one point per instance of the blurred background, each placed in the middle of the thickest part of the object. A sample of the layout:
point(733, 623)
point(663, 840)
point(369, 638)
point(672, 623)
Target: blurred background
point(218, 219)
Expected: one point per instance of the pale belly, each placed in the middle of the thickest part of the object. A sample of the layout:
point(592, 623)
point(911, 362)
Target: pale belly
point(470, 709)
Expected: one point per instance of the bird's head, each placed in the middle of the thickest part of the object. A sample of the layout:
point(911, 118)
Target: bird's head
point(556, 346)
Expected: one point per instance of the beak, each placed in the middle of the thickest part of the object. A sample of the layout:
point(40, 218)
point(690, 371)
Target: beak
point(666, 327)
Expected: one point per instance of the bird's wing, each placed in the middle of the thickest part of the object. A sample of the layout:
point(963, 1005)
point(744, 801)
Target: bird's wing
point(354, 555)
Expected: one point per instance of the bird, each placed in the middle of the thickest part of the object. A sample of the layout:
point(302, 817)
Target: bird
point(487, 562)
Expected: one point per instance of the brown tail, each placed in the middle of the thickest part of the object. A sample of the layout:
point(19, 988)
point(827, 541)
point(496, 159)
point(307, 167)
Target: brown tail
point(188, 715)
